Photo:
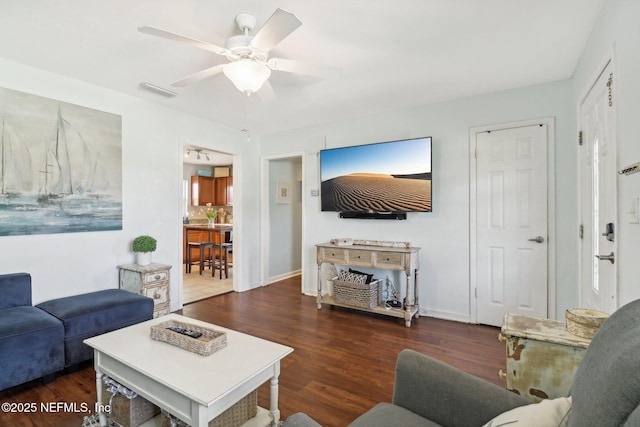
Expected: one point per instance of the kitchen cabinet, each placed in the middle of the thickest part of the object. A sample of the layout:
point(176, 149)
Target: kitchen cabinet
point(223, 191)
point(202, 190)
point(217, 191)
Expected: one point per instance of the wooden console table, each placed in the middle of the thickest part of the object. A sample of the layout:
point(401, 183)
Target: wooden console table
point(379, 257)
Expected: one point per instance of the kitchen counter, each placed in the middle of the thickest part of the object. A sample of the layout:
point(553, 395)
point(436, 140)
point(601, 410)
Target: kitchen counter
point(223, 232)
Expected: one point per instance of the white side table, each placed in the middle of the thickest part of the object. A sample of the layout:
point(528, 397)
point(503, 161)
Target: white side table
point(151, 280)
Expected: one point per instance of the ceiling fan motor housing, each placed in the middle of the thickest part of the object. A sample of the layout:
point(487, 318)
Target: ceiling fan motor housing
point(240, 47)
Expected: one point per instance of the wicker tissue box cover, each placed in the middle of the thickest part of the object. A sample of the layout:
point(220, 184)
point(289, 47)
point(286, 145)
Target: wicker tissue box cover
point(210, 341)
point(359, 295)
point(241, 412)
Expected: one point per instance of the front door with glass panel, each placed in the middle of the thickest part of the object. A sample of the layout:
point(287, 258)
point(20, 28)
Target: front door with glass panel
point(598, 199)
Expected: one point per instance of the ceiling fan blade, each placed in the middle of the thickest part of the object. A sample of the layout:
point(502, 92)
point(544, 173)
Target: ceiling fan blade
point(183, 39)
point(298, 67)
point(276, 29)
point(200, 75)
point(266, 93)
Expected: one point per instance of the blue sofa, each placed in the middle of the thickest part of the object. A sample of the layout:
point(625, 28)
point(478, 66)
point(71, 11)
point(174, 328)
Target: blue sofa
point(42, 340)
point(31, 340)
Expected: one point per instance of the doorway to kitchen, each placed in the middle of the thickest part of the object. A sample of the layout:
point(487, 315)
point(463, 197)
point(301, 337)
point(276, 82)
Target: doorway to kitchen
point(207, 190)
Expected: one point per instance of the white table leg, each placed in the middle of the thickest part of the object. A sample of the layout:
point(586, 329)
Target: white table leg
point(275, 412)
point(101, 416)
point(199, 415)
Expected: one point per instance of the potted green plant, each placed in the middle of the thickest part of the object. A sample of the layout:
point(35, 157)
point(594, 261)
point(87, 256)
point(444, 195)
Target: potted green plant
point(143, 246)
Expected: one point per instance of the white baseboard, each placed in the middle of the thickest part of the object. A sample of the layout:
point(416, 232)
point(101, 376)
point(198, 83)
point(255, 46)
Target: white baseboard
point(279, 277)
point(445, 315)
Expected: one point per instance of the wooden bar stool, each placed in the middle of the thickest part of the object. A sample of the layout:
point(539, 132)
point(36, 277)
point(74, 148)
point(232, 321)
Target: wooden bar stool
point(220, 262)
point(202, 246)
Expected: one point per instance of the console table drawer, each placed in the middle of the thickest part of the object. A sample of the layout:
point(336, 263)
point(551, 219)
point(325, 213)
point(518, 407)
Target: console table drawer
point(336, 256)
point(361, 258)
point(390, 260)
point(157, 276)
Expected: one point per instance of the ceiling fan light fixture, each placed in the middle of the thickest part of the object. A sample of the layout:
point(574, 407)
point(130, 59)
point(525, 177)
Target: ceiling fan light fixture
point(246, 75)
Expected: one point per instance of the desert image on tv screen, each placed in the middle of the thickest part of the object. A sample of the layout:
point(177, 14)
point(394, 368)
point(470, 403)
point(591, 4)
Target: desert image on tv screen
point(390, 176)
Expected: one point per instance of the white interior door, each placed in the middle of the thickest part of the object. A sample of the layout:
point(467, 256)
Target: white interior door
point(511, 223)
point(598, 198)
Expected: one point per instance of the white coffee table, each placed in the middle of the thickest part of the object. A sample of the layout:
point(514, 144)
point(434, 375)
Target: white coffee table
point(191, 387)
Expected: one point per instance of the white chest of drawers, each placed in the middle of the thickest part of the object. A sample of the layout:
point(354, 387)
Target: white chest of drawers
point(149, 280)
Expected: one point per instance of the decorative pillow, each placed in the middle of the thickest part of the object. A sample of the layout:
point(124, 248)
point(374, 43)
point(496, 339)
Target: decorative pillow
point(548, 413)
point(369, 276)
point(345, 276)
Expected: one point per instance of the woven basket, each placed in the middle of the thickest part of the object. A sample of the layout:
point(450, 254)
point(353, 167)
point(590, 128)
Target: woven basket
point(241, 412)
point(128, 412)
point(210, 341)
point(359, 295)
point(583, 322)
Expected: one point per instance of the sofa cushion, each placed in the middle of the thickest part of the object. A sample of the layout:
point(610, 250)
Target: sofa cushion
point(369, 276)
point(390, 415)
point(31, 345)
point(606, 385)
point(547, 413)
point(87, 315)
point(300, 419)
point(15, 289)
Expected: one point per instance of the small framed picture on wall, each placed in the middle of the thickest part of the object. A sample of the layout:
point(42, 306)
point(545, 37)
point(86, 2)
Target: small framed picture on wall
point(283, 193)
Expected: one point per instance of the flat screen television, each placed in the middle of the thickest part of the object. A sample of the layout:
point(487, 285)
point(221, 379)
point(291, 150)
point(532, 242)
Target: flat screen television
point(392, 176)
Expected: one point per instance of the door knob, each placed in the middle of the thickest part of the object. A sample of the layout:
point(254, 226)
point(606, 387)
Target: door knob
point(538, 239)
point(610, 257)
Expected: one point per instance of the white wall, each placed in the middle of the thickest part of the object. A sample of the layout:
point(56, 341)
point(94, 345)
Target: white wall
point(66, 264)
point(443, 234)
point(617, 31)
point(152, 138)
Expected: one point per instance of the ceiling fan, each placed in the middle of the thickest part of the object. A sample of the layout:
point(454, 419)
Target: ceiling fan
point(249, 66)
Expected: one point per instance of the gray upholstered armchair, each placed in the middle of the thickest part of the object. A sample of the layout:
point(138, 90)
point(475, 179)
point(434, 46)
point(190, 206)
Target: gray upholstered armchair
point(605, 390)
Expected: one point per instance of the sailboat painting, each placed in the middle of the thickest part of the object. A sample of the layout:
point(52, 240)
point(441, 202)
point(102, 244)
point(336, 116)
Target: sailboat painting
point(60, 166)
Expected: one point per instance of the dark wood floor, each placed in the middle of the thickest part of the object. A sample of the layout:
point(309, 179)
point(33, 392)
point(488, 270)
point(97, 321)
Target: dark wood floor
point(342, 364)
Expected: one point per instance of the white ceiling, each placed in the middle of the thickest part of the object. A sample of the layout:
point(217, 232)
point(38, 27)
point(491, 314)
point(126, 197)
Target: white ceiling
point(393, 55)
